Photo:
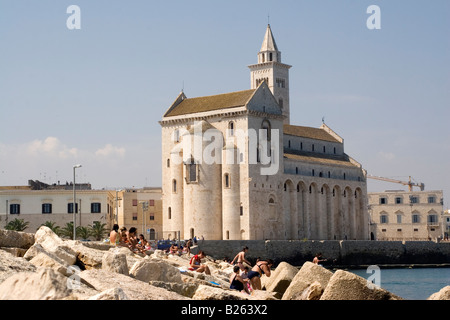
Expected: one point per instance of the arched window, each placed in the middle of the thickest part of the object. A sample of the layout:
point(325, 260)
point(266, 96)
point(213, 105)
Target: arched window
point(227, 181)
point(231, 128)
point(174, 186)
point(271, 201)
point(267, 127)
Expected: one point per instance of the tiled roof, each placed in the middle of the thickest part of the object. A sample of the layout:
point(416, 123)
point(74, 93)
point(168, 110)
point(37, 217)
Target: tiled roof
point(342, 161)
point(211, 103)
point(308, 132)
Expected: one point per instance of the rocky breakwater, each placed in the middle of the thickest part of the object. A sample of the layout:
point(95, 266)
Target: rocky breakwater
point(43, 266)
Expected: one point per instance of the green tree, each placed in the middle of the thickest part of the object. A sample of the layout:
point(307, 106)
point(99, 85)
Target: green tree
point(83, 232)
point(52, 226)
point(98, 230)
point(67, 230)
point(17, 225)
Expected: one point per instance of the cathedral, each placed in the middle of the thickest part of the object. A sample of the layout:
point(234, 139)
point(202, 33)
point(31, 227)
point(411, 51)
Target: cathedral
point(235, 168)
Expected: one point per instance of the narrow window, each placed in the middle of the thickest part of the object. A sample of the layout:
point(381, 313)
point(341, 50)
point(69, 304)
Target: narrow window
point(227, 180)
point(169, 213)
point(270, 56)
point(231, 128)
point(174, 186)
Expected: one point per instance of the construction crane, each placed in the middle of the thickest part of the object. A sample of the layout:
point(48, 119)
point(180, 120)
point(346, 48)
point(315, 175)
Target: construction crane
point(409, 183)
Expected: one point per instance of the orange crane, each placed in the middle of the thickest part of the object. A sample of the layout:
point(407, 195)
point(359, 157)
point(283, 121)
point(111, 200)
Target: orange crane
point(409, 183)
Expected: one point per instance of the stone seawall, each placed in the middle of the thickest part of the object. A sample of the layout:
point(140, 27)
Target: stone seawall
point(342, 253)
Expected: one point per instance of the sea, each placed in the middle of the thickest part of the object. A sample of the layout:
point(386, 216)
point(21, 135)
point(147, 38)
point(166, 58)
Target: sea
point(409, 283)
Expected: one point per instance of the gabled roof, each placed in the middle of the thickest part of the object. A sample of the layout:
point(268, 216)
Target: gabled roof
point(308, 132)
point(184, 106)
point(269, 43)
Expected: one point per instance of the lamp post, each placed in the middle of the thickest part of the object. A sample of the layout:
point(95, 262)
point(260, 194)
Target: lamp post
point(74, 202)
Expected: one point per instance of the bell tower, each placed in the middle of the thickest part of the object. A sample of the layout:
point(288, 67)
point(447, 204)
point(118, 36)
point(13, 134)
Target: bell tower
point(270, 69)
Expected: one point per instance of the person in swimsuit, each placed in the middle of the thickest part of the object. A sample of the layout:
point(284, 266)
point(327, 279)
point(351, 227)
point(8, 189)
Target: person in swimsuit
point(240, 257)
point(236, 281)
point(196, 265)
point(114, 235)
point(260, 268)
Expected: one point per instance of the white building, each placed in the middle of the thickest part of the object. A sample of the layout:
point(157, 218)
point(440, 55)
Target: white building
point(38, 206)
point(235, 168)
point(407, 215)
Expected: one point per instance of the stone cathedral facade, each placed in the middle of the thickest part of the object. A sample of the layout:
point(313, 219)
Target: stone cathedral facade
point(234, 168)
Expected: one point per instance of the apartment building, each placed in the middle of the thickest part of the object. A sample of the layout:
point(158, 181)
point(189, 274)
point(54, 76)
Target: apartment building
point(407, 215)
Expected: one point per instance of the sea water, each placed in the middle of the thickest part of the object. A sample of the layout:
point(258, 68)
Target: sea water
point(410, 283)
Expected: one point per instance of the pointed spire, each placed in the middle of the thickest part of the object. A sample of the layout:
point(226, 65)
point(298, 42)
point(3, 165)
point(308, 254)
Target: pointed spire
point(269, 43)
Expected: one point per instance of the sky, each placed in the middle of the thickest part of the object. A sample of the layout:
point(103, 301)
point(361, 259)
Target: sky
point(93, 96)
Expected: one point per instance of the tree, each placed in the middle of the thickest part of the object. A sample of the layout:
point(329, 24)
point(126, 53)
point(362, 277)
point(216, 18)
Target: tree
point(83, 232)
point(51, 226)
point(98, 230)
point(67, 231)
point(17, 225)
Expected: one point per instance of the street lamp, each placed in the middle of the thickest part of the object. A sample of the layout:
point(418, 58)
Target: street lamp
point(74, 203)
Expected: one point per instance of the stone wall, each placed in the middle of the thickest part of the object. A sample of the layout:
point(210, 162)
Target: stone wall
point(339, 253)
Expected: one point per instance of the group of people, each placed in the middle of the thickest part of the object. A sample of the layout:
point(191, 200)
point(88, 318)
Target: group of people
point(179, 250)
point(128, 238)
point(246, 279)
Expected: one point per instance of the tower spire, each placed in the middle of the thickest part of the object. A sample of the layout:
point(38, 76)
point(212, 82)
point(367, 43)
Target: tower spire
point(271, 70)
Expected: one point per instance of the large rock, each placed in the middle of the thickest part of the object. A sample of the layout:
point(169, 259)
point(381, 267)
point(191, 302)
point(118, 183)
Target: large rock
point(134, 289)
point(110, 294)
point(153, 270)
point(10, 265)
point(48, 260)
point(16, 239)
point(205, 292)
point(281, 278)
point(48, 240)
point(345, 285)
point(115, 262)
point(46, 284)
point(89, 257)
point(308, 274)
point(443, 294)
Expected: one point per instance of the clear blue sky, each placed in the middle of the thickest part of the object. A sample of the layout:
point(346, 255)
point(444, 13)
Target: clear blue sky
point(94, 96)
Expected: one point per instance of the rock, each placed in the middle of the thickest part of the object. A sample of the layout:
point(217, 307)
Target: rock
point(46, 284)
point(53, 244)
point(48, 260)
point(87, 256)
point(17, 252)
point(345, 285)
point(115, 262)
point(205, 292)
point(186, 289)
point(110, 294)
point(10, 265)
point(280, 278)
point(443, 294)
point(263, 295)
point(313, 292)
point(103, 280)
point(153, 270)
point(308, 274)
point(16, 239)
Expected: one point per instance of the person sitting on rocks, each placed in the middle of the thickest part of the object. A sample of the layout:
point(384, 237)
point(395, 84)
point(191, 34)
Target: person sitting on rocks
point(236, 281)
point(123, 237)
point(260, 268)
point(196, 263)
point(114, 235)
point(132, 240)
point(240, 257)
